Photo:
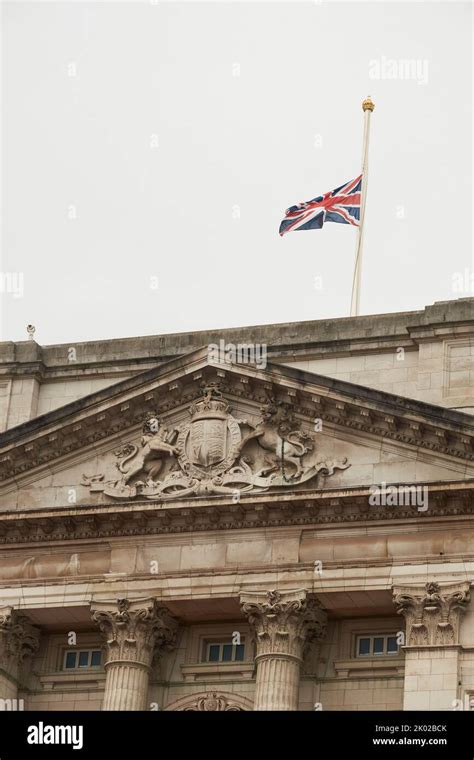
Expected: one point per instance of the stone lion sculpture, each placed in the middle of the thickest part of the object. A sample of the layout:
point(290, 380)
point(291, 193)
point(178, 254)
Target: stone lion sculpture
point(157, 444)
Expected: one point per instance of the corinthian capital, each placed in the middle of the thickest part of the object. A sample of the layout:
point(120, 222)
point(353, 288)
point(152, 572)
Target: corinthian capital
point(135, 629)
point(284, 622)
point(18, 639)
point(432, 613)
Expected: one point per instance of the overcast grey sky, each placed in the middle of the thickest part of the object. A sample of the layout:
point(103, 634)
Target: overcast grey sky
point(159, 143)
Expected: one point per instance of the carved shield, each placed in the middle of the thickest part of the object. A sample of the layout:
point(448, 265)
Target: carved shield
point(207, 441)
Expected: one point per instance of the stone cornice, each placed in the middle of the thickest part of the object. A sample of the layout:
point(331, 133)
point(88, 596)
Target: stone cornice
point(326, 507)
point(345, 334)
point(174, 386)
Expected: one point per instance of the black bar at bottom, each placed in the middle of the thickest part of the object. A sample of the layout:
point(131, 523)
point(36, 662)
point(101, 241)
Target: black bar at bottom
point(152, 734)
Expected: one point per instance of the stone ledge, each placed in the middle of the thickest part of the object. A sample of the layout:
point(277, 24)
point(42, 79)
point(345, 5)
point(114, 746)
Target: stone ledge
point(364, 668)
point(72, 681)
point(413, 326)
point(205, 670)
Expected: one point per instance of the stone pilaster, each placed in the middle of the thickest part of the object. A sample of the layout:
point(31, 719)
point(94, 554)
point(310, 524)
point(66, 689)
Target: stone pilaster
point(134, 631)
point(284, 624)
point(433, 619)
point(19, 640)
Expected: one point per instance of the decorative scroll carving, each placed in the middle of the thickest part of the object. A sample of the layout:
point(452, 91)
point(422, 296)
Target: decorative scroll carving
point(209, 455)
point(135, 630)
point(285, 623)
point(19, 639)
point(212, 701)
point(432, 614)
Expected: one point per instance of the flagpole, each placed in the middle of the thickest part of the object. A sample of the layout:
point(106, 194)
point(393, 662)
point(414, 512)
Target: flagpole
point(367, 107)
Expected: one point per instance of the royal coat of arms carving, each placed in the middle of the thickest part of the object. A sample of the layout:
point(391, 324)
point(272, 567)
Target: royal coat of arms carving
point(211, 454)
point(212, 440)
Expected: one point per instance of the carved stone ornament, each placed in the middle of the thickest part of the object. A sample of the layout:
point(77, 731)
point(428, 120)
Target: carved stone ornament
point(432, 614)
point(212, 702)
point(18, 639)
point(285, 623)
point(209, 455)
point(135, 630)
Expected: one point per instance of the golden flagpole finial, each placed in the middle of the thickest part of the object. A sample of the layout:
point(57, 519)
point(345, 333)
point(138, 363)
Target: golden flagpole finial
point(368, 104)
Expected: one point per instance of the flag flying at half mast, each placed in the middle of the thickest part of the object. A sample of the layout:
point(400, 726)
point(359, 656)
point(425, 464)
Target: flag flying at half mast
point(341, 205)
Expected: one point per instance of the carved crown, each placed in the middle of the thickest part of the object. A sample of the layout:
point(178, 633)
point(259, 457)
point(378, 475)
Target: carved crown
point(212, 405)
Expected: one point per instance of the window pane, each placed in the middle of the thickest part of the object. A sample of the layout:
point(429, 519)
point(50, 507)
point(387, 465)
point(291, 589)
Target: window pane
point(239, 652)
point(70, 660)
point(96, 658)
point(364, 646)
point(214, 652)
point(378, 645)
point(227, 652)
point(83, 659)
point(392, 646)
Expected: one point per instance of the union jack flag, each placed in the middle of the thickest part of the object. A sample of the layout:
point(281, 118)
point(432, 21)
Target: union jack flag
point(341, 205)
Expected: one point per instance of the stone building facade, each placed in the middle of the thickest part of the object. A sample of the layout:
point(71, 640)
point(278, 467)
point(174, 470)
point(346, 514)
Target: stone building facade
point(185, 528)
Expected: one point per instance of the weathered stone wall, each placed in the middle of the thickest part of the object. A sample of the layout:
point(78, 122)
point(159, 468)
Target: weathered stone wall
point(439, 372)
point(314, 567)
point(426, 355)
point(342, 682)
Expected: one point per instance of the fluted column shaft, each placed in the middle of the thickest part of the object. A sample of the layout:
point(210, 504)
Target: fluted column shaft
point(284, 623)
point(126, 686)
point(19, 640)
point(278, 682)
point(134, 632)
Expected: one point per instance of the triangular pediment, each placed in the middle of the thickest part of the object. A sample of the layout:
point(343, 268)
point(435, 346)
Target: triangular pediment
point(196, 427)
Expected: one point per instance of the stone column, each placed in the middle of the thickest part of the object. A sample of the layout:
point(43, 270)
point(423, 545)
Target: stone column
point(134, 631)
point(284, 624)
point(433, 617)
point(19, 640)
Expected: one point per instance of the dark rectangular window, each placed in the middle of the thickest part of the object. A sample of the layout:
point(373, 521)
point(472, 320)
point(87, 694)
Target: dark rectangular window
point(379, 645)
point(376, 645)
point(83, 659)
point(392, 646)
point(70, 660)
point(364, 646)
point(227, 653)
point(223, 651)
point(214, 653)
point(239, 652)
point(96, 659)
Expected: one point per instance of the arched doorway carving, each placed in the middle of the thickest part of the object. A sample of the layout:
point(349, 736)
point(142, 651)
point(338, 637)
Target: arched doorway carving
point(211, 701)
